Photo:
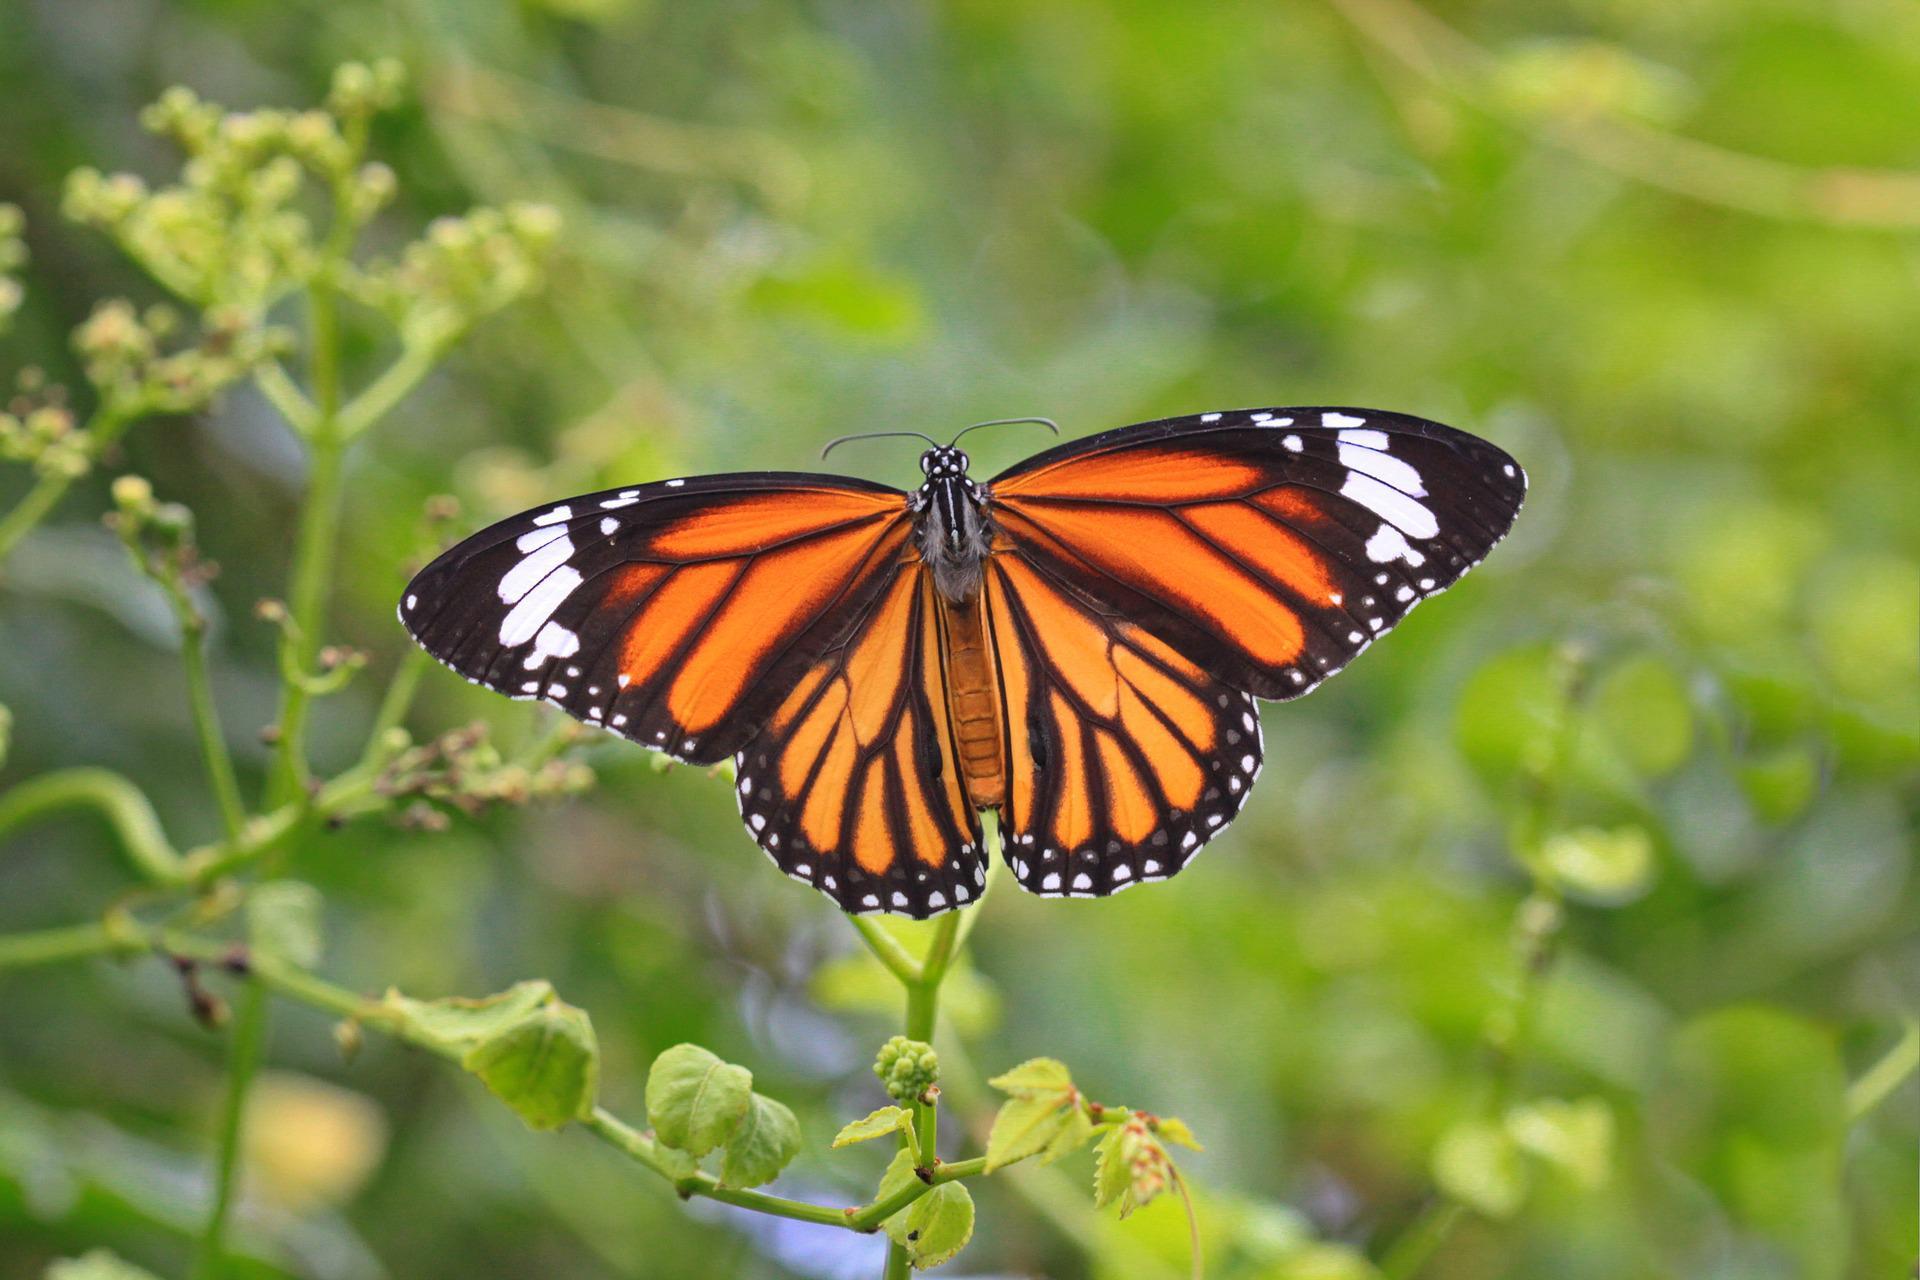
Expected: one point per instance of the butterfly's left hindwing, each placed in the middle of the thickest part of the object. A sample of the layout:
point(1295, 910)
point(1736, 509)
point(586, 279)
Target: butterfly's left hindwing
point(854, 785)
point(677, 614)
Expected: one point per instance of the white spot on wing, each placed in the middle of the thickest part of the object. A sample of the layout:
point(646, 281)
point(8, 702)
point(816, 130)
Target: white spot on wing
point(1390, 505)
point(1388, 543)
point(526, 575)
point(1382, 466)
point(555, 516)
point(1209, 417)
point(537, 606)
point(1291, 443)
point(675, 484)
point(1341, 420)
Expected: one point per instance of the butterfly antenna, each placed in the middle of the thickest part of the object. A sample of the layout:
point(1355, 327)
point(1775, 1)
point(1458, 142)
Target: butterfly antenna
point(1048, 423)
point(875, 435)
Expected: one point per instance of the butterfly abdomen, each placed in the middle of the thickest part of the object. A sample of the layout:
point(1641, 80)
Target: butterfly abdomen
point(973, 700)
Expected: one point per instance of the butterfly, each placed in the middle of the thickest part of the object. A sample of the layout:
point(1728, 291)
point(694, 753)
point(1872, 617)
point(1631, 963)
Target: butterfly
point(1078, 643)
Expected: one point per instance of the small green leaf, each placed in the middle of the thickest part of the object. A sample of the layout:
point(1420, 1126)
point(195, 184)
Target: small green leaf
point(878, 1125)
point(677, 1165)
point(1026, 1126)
point(1577, 1136)
point(97, 1264)
point(1603, 866)
point(1035, 1078)
point(694, 1100)
point(764, 1144)
point(546, 1066)
point(899, 1173)
point(1173, 1129)
point(283, 922)
point(1110, 1175)
point(1479, 1165)
point(460, 1022)
point(1072, 1136)
point(935, 1227)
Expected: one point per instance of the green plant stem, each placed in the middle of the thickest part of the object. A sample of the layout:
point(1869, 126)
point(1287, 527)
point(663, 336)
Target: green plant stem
point(206, 713)
point(104, 428)
point(887, 949)
point(1413, 1247)
point(312, 574)
point(378, 398)
point(54, 946)
point(124, 806)
point(244, 1052)
point(126, 937)
point(1886, 1075)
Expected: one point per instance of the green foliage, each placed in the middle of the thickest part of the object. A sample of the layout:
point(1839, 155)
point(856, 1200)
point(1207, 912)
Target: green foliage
point(877, 1124)
point(96, 1264)
point(284, 921)
point(765, 1142)
point(546, 1066)
point(694, 1100)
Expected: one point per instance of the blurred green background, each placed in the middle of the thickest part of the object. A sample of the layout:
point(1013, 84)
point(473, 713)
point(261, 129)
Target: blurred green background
point(1665, 254)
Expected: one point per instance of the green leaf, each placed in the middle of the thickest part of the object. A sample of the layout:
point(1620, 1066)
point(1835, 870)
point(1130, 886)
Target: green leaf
point(546, 1066)
point(764, 1144)
point(1643, 707)
point(899, 1173)
point(1026, 1126)
point(935, 1227)
point(878, 1125)
point(1072, 1136)
point(1034, 1078)
point(460, 1022)
point(1601, 866)
point(694, 1100)
point(1576, 1136)
point(284, 922)
point(1174, 1129)
point(96, 1264)
point(1110, 1174)
point(677, 1165)
point(1479, 1165)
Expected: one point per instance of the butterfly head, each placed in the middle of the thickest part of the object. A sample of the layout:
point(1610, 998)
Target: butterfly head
point(944, 462)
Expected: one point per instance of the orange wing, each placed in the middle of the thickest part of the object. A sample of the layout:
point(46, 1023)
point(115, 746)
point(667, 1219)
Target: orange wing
point(1269, 546)
point(853, 786)
point(1126, 757)
point(678, 614)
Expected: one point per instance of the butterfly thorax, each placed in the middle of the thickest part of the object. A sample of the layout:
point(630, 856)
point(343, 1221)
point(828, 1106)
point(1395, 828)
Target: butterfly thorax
point(952, 525)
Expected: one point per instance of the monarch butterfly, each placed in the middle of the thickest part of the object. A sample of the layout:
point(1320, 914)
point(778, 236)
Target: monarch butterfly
point(1077, 643)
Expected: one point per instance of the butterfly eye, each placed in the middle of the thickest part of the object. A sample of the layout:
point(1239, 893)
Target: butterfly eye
point(926, 463)
point(959, 460)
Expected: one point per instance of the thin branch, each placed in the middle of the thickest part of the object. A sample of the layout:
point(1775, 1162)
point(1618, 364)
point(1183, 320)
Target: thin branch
point(106, 426)
point(887, 949)
point(124, 806)
point(1886, 1075)
point(245, 1048)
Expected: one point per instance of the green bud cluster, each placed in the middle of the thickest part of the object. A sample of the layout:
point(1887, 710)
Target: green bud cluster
point(464, 770)
point(126, 358)
point(462, 269)
point(908, 1068)
point(43, 434)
